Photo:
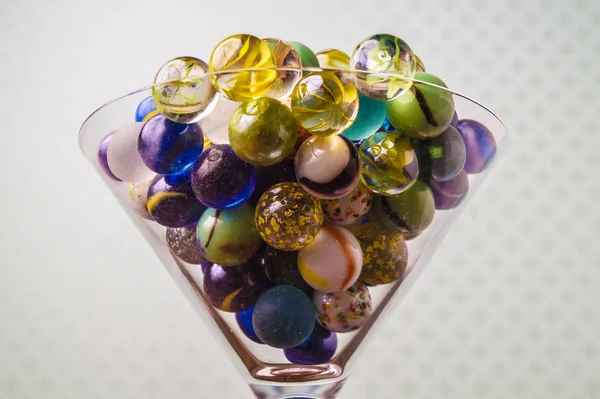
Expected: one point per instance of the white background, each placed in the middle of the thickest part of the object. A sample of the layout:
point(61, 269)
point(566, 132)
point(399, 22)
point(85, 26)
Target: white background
point(508, 308)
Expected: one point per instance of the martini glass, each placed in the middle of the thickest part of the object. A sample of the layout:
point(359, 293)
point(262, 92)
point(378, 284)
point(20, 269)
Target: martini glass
point(266, 370)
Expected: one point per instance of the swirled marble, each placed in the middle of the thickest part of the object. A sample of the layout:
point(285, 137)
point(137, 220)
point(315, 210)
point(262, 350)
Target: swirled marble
point(323, 103)
point(327, 167)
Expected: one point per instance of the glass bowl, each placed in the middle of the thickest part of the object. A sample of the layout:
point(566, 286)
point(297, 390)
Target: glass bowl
point(268, 372)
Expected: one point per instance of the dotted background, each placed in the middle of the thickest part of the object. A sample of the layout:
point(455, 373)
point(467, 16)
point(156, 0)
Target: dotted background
point(507, 308)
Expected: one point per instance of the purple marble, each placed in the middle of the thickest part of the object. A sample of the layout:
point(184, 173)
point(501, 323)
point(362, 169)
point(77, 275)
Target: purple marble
point(173, 206)
point(454, 122)
point(102, 157)
point(318, 348)
point(234, 288)
point(220, 179)
point(268, 176)
point(480, 145)
point(450, 193)
point(281, 267)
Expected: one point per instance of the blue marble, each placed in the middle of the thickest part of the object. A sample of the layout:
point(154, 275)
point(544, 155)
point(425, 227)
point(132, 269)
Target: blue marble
point(284, 317)
point(144, 108)
point(244, 321)
point(370, 117)
point(168, 147)
point(180, 179)
point(387, 126)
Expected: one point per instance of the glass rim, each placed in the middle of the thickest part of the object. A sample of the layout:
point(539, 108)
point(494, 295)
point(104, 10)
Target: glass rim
point(310, 70)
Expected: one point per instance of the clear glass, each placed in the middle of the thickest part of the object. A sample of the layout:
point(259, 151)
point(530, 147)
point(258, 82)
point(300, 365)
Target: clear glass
point(266, 369)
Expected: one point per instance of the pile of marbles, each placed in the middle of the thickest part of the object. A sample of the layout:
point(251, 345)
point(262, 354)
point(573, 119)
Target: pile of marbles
point(295, 184)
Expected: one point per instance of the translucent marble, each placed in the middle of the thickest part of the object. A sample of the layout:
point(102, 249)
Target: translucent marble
point(286, 57)
point(324, 103)
point(182, 90)
point(385, 54)
point(389, 163)
point(239, 52)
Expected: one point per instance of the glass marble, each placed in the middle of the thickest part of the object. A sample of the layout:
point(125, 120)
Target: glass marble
point(239, 52)
point(103, 157)
point(424, 111)
point(332, 261)
point(317, 349)
point(215, 124)
point(173, 206)
point(327, 167)
point(287, 217)
point(220, 179)
point(244, 322)
point(385, 254)
point(386, 125)
point(285, 57)
point(138, 198)
point(344, 311)
point(183, 244)
point(442, 157)
point(450, 193)
point(409, 212)
point(307, 56)
point(335, 59)
point(454, 122)
point(179, 179)
point(262, 131)
point(122, 155)
point(389, 163)
point(144, 108)
point(323, 104)
point(332, 58)
point(383, 53)
point(480, 145)
point(228, 237)
point(281, 267)
point(182, 90)
point(420, 65)
point(370, 117)
point(168, 147)
point(268, 176)
point(284, 317)
point(350, 208)
point(234, 288)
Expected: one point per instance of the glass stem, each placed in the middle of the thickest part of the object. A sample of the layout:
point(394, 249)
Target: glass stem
point(329, 390)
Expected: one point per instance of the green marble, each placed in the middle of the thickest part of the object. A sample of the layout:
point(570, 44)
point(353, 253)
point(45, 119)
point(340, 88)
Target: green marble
point(307, 56)
point(424, 111)
point(409, 212)
point(262, 131)
point(228, 237)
